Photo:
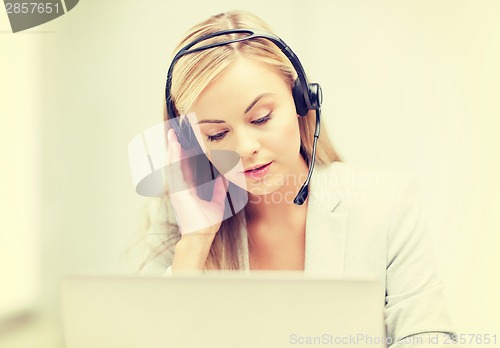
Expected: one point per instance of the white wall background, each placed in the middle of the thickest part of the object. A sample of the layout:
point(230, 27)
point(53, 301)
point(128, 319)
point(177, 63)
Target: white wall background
point(20, 171)
point(410, 85)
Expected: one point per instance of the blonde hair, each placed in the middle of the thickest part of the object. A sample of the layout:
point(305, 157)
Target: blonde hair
point(194, 72)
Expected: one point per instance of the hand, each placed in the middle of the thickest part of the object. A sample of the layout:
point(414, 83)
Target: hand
point(194, 215)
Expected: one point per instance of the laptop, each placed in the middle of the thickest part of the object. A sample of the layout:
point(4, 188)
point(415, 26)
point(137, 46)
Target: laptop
point(254, 310)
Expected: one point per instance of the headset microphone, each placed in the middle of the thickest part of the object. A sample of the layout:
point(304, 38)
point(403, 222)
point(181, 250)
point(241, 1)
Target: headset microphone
point(304, 190)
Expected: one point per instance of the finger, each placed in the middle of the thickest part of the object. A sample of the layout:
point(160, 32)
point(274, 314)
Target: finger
point(174, 146)
point(219, 190)
point(176, 177)
point(185, 167)
point(187, 172)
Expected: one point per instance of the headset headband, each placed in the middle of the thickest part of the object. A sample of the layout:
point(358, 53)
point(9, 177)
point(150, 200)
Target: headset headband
point(252, 34)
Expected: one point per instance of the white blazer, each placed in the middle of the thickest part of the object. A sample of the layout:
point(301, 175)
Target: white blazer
point(362, 222)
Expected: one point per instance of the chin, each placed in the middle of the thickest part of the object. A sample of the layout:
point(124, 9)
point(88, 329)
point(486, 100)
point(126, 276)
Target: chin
point(258, 191)
point(264, 187)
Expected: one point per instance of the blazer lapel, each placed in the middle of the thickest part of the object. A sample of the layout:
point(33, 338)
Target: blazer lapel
point(326, 231)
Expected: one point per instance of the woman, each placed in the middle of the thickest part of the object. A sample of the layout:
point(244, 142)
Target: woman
point(241, 97)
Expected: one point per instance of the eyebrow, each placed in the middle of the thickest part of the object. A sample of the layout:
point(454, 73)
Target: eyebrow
point(249, 107)
point(255, 101)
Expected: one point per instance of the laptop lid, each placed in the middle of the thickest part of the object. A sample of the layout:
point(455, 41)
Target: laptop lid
point(217, 310)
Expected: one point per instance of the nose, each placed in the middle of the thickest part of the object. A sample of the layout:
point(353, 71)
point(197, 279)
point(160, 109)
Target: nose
point(247, 145)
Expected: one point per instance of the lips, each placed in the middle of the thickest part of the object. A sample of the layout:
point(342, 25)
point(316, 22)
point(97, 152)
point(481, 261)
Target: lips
point(257, 167)
point(258, 172)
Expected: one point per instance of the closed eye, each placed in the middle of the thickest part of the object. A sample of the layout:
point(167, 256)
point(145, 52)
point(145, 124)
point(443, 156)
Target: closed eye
point(221, 135)
point(217, 136)
point(262, 120)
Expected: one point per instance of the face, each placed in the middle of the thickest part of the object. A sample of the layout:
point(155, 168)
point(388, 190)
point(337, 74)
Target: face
point(249, 109)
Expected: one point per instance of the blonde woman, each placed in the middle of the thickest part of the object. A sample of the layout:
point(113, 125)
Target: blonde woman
point(241, 96)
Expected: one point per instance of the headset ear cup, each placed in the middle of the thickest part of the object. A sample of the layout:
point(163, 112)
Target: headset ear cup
point(315, 95)
point(298, 98)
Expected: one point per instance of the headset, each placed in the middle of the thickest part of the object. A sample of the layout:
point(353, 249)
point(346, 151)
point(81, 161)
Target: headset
point(307, 96)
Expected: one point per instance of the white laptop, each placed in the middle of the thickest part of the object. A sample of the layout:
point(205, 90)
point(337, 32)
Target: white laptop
point(225, 311)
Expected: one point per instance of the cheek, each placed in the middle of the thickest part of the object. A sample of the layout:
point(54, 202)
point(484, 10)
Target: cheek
point(294, 131)
point(285, 140)
point(229, 164)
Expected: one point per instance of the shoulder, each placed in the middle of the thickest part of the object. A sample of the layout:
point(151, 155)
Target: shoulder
point(361, 187)
point(352, 174)
point(382, 206)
